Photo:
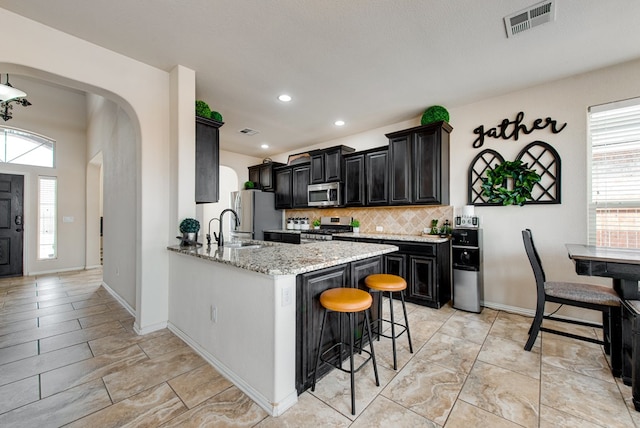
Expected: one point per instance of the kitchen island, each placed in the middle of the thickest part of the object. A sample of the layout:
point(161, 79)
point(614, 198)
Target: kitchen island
point(251, 311)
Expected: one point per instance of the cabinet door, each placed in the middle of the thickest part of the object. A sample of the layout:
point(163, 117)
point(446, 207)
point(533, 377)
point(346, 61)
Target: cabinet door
point(354, 180)
point(395, 264)
point(254, 175)
point(309, 320)
point(300, 197)
point(376, 167)
point(422, 279)
point(400, 170)
point(207, 161)
point(317, 168)
point(333, 165)
point(283, 188)
point(426, 167)
point(266, 178)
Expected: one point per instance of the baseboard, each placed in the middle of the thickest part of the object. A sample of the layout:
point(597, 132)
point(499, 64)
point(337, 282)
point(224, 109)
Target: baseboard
point(46, 272)
point(93, 267)
point(148, 329)
point(274, 409)
point(507, 308)
point(119, 299)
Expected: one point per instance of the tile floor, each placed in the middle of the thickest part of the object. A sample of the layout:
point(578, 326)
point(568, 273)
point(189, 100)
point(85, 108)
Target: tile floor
point(69, 357)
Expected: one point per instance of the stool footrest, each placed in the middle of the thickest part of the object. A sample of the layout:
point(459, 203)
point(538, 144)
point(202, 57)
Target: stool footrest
point(374, 330)
point(336, 360)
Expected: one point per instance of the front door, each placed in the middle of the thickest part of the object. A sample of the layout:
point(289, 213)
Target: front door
point(11, 224)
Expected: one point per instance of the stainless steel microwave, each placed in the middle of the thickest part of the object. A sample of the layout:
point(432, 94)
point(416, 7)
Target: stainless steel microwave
point(324, 195)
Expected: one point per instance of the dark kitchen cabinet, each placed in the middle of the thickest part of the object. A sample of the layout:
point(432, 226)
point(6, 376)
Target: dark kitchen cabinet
point(376, 165)
point(289, 238)
point(419, 165)
point(300, 196)
point(284, 183)
point(309, 313)
point(207, 154)
point(425, 266)
point(264, 175)
point(354, 183)
point(327, 165)
point(309, 286)
point(291, 184)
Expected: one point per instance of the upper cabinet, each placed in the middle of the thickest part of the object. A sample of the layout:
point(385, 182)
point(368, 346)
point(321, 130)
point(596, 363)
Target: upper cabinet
point(327, 165)
point(291, 186)
point(207, 160)
point(263, 175)
point(419, 165)
point(365, 178)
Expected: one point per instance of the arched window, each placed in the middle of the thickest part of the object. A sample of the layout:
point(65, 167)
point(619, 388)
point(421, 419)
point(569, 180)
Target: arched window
point(25, 148)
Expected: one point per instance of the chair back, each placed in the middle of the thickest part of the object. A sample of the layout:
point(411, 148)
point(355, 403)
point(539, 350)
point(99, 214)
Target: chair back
point(534, 259)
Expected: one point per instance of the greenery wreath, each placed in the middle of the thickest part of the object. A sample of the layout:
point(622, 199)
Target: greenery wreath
point(494, 186)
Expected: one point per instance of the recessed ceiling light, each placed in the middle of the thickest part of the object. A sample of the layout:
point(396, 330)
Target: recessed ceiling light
point(339, 123)
point(265, 146)
point(284, 98)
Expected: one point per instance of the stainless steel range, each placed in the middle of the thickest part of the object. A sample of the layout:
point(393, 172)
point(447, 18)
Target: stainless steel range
point(328, 226)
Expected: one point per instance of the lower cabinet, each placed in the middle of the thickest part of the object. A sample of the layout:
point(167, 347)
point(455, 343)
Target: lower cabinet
point(289, 238)
point(309, 313)
point(425, 266)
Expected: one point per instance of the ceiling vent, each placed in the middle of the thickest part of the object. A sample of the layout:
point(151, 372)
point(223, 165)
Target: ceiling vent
point(526, 19)
point(248, 131)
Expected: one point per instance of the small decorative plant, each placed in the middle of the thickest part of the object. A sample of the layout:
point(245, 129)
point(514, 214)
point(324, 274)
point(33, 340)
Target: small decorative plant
point(355, 223)
point(435, 114)
point(189, 225)
point(316, 222)
point(249, 185)
point(203, 110)
point(434, 227)
point(496, 188)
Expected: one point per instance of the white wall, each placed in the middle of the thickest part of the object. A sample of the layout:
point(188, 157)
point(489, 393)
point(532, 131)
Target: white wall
point(58, 114)
point(508, 277)
point(110, 127)
point(143, 92)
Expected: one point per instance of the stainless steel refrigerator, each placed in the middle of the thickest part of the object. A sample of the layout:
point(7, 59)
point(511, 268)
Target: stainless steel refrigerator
point(257, 213)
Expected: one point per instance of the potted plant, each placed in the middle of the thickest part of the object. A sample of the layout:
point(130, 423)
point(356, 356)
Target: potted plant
point(316, 223)
point(509, 183)
point(434, 227)
point(356, 225)
point(203, 110)
point(189, 227)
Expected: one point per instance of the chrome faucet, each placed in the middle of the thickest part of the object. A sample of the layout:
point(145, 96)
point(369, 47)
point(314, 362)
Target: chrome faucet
point(219, 237)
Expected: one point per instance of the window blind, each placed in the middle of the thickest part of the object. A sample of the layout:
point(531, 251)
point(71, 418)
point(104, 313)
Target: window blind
point(47, 231)
point(614, 208)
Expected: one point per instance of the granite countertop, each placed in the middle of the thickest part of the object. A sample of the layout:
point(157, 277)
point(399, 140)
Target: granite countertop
point(274, 258)
point(431, 239)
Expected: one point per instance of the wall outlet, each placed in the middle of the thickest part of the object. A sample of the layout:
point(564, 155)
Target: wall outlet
point(213, 314)
point(287, 297)
point(379, 228)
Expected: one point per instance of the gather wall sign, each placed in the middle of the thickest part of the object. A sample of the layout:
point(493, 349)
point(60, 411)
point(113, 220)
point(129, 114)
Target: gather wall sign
point(537, 156)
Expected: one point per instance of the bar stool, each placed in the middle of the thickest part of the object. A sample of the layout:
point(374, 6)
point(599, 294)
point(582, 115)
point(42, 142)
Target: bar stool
point(347, 301)
point(382, 282)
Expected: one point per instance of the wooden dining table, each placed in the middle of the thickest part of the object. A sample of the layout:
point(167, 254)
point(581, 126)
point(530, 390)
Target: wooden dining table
point(623, 267)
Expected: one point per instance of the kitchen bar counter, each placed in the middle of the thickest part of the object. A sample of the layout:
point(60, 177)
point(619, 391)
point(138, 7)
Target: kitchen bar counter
point(239, 307)
point(288, 259)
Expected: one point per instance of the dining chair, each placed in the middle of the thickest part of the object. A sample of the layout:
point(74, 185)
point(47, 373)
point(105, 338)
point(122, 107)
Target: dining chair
point(588, 296)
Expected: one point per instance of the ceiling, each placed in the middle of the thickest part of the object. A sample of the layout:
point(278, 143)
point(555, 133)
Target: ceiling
point(370, 63)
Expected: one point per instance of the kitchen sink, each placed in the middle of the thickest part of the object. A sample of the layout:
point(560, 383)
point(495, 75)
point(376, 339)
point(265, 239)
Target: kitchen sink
point(242, 244)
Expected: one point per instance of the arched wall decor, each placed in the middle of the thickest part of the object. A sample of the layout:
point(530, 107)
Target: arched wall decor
point(538, 155)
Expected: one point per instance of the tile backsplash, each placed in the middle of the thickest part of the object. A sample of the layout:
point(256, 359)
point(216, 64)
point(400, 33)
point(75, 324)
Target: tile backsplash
point(409, 220)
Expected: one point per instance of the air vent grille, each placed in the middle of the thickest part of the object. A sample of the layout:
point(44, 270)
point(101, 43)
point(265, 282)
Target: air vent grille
point(531, 17)
point(248, 131)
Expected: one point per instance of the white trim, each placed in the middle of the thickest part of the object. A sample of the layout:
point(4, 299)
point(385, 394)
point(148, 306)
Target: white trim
point(119, 299)
point(274, 409)
point(93, 267)
point(507, 308)
point(149, 329)
point(46, 272)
